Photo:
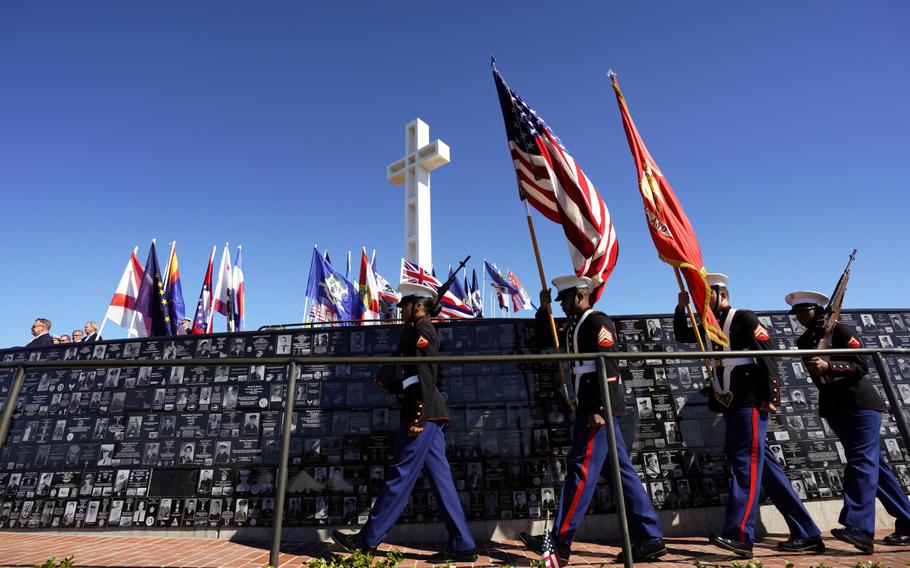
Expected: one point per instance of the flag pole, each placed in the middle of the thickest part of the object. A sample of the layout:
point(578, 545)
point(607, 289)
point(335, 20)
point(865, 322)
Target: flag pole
point(546, 305)
point(103, 323)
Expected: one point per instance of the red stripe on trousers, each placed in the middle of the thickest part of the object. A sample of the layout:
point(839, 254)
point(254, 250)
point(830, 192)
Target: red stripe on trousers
point(753, 469)
point(581, 486)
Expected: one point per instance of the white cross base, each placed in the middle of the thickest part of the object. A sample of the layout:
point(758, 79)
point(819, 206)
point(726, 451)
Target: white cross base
point(413, 170)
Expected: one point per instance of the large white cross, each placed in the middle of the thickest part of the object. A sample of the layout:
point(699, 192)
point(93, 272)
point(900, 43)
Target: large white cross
point(420, 158)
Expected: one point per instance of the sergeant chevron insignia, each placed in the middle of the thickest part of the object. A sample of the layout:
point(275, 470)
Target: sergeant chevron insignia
point(854, 342)
point(761, 333)
point(422, 342)
point(604, 337)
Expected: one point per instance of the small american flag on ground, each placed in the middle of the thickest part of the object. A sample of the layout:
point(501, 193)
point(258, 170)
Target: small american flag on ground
point(551, 180)
point(548, 556)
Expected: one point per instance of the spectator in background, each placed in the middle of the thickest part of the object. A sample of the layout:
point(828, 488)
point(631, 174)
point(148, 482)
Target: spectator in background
point(184, 328)
point(65, 339)
point(41, 333)
point(91, 332)
point(77, 335)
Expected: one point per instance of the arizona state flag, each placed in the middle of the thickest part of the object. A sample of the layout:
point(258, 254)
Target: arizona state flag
point(671, 231)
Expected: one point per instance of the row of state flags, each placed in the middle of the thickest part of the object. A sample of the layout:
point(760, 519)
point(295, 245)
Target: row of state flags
point(148, 304)
point(337, 298)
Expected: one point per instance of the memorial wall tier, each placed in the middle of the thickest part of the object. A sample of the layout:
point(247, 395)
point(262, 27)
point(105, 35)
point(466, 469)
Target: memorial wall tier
point(143, 445)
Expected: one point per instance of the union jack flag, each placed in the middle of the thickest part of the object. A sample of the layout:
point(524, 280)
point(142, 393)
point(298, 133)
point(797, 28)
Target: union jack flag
point(452, 306)
point(551, 180)
point(415, 274)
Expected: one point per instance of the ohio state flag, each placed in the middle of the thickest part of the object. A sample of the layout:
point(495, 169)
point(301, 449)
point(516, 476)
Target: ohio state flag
point(670, 229)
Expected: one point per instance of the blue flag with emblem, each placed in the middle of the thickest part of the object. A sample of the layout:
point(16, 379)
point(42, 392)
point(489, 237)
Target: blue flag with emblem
point(498, 281)
point(151, 301)
point(334, 297)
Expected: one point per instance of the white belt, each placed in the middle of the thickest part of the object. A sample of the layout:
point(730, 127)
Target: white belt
point(412, 380)
point(584, 369)
point(736, 362)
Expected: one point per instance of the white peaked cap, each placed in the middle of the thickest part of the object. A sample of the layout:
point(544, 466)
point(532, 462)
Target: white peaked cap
point(571, 281)
point(418, 290)
point(717, 279)
point(806, 297)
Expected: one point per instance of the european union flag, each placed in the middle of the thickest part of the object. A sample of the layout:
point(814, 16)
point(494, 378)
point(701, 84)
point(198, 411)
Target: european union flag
point(151, 301)
point(336, 294)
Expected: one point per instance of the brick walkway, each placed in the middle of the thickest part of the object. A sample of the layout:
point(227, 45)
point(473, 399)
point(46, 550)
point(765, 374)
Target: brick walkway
point(27, 549)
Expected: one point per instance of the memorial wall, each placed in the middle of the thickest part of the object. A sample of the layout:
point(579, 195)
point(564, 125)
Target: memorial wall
point(148, 446)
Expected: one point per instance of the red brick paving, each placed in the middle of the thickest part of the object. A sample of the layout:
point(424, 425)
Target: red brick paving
point(97, 551)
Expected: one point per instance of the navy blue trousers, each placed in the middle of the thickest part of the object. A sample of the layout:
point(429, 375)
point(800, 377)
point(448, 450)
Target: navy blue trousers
point(411, 454)
point(780, 491)
point(867, 475)
point(754, 467)
point(586, 460)
point(745, 445)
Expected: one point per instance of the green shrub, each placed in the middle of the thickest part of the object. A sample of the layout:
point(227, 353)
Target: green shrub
point(359, 560)
point(52, 563)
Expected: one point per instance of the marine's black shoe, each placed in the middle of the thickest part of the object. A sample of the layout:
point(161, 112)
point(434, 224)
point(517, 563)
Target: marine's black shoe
point(352, 542)
point(535, 545)
point(856, 537)
point(796, 544)
point(453, 556)
point(644, 550)
point(897, 539)
point(738, 547)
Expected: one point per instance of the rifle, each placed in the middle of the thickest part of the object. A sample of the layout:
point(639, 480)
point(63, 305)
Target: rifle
point(825, 325)
point(436, 309)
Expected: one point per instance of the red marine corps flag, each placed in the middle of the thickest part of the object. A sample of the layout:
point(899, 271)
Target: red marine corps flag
point(670, 228)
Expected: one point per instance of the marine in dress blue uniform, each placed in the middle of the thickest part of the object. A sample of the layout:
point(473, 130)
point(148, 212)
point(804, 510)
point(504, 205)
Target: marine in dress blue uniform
point(419, 440)
point(745, 391)
point(590, 331)
point(853, 410)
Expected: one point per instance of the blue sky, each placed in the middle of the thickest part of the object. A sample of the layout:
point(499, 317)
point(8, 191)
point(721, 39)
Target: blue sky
point(783, 127)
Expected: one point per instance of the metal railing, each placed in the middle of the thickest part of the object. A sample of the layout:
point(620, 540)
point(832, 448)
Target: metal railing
point(294, 362)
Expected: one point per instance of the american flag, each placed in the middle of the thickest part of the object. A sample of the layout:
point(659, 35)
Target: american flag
point(202, 322)
point(548, 556)
point(551, 180)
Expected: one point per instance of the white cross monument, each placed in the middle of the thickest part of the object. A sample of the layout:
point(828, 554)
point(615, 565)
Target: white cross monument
point(420, 158)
